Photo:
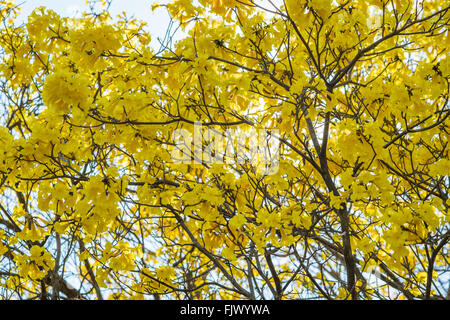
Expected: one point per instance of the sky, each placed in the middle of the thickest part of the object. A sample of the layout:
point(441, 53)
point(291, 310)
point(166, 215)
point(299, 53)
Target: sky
point(158, 21)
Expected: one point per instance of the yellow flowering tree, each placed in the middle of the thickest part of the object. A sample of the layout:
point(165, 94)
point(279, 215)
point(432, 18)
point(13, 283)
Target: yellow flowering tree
point(93, 204)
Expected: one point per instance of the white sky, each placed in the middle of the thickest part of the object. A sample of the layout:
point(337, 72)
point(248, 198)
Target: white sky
point(141, 9)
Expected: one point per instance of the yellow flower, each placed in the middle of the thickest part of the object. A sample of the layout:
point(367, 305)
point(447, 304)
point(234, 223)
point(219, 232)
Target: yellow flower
point(64, 90)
